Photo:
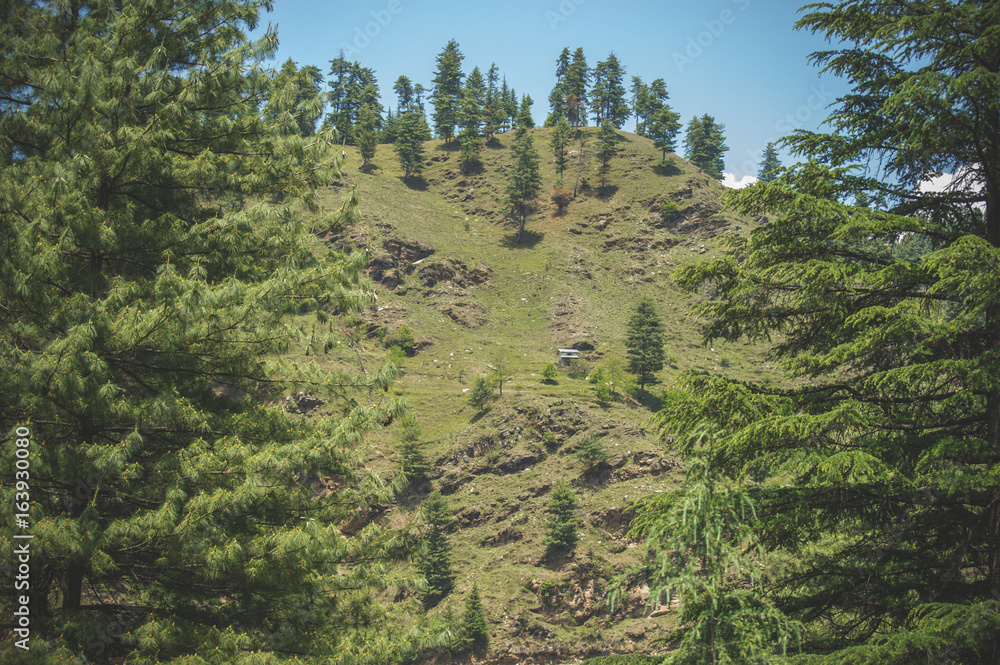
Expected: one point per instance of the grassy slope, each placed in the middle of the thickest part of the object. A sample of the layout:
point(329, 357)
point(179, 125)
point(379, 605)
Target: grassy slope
point(572, 280)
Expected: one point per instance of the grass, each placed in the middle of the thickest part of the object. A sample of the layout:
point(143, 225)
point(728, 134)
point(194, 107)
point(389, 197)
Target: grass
point(573, 281)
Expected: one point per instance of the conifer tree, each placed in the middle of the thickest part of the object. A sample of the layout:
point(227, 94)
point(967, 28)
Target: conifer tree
point(447, 92)
point(705, 145)
point(474, 626)
point(769, 164)
point(561, 535)
point(886, 446)
point(299, 93)
point(366, 131)
point(409, 144)
point(640, 98)
point(525, 180)
point(644, 343)
point(470, 117)
point(576, 86)
point(493, 114)
point(663, 126)
point(704, 556)
point(404, 93)
point(557, 98)
point(607, 148)
point(607, 96)
point(434, 555)
point(561, 137)
point(524, 112)
point(480, 392)
point(156, 230)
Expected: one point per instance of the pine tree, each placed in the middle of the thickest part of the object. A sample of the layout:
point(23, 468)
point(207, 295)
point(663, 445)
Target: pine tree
point(480, 392)
point(470, 117)
point(640, 98)
point(705, 145)
point(474, 626)
point(607, 148)
point(493, 114)
point(769, 164)
point(352, 87)
point(524, 112)
point(886, 448)
point(158, 256)
point(660, 122)
point(414, 463)
point(561, 535)
point(704, 556)
point(607, 96)
point(410, 143)
point(447, 92)
point(644, 343)
point(434, 555)
point(299, 93)
point(557, 98)
point(561, 136)
point(525, 180)
point(366, 132)
point(575, 92)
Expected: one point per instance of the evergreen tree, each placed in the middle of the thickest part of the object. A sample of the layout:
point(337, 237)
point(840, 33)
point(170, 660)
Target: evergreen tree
point(561, 535)
point(414, 463)
point(887, 445)
point(704, 556)
point(493, 115)
point(410, 143)
point(158, 255)
point(502, 101)
point(447, 92)
point(470, 117)
point(663, 127)
point(705, 145)
point(524, 112)
point(299, 93)
point(607, 148)
point(769, 164)
point(640, 98)
point(561, 137)
point(434, 556)
point(404, 94)
point(474, 626)
point(576, 87)
point(366, 131)
point(525, 180)
point(352, 87)
point(591, 450)
point(471, 145)
point(557, 98)
point(607, 96)
point(511, 107)
point(644, 343)
point(480, 392)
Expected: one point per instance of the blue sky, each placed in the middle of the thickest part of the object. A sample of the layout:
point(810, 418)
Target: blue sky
point(740, 61)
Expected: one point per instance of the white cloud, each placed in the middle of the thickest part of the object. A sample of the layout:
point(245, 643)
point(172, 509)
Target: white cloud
point(966, 180)
point(731, 181)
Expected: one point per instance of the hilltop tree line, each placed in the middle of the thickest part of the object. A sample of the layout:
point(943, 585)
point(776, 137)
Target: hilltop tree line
point(472, 108)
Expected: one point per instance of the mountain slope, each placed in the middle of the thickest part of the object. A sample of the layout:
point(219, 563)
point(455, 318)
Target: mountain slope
point(445, 263)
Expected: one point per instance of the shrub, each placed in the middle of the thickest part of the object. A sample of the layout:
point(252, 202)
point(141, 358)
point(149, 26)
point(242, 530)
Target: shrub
point(560, 199)
point(550, 440)
point(549, 372)
point(591, 450)
point(403, 338)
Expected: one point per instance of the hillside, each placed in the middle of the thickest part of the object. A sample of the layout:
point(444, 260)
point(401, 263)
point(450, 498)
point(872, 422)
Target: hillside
point(444, 262)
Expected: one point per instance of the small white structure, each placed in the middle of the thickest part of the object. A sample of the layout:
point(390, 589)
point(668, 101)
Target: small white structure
point(565, 355)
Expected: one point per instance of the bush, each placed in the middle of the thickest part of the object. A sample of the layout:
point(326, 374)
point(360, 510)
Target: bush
point(560, 199)
point(481, 392)
point(403, 338)
point(591, 450)
point(630, 659)
point(549, 373)
point(550, 440)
